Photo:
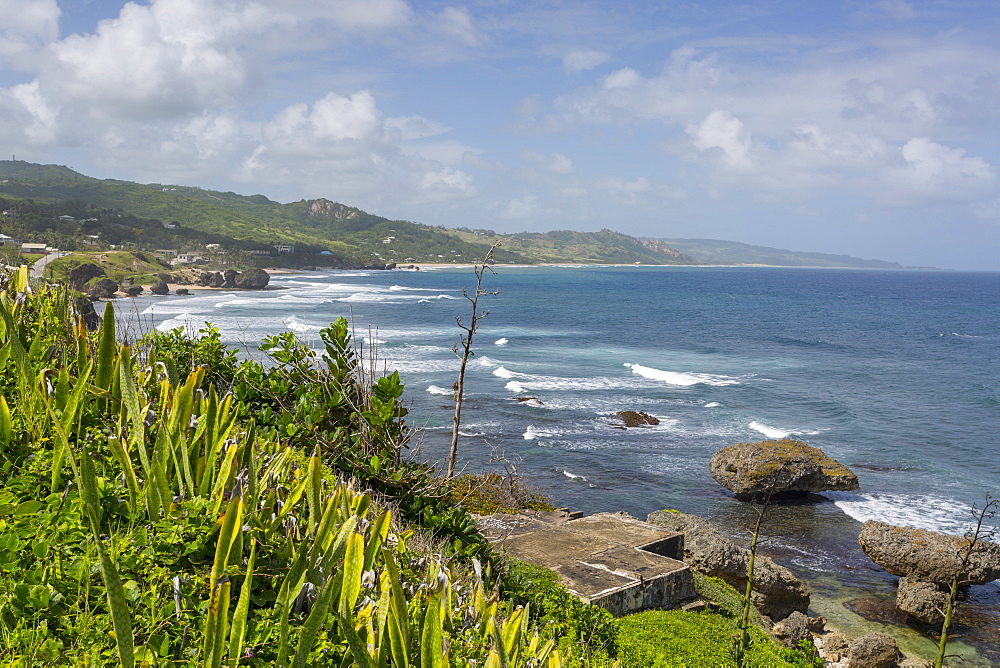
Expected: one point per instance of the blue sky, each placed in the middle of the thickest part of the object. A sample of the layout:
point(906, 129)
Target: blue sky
point(861, 127)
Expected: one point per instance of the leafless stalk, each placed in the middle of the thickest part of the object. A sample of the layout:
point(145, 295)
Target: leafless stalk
point(463, 350)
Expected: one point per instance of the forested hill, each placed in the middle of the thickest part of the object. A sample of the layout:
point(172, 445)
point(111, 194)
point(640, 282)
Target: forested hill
point(311, 225)
point(186, 218)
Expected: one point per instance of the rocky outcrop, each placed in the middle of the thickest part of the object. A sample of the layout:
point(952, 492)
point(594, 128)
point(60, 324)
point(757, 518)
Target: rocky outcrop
point(926, 562)
point(182, 291)
point(658, 246)
point(635, 418)
point(325, 208)
point(82, 274)
point(873, 650)
point(102, 288)
point(783, 467)
point(252, 279)
point(925, 601)
point(87, 313)
point(160, 288)
point(792, 630)
point(918, 554)
point(776, 592)
point(132, 290)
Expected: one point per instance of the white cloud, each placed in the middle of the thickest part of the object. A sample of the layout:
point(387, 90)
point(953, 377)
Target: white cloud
point(456, 23)
point(168, 60)
point(26, 27)
point(723, 134)
point(557, 163)
point(934, 171)
point(584, 59)
point(39, 119)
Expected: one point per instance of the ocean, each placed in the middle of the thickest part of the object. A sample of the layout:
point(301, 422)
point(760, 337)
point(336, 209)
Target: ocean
point(894, 373)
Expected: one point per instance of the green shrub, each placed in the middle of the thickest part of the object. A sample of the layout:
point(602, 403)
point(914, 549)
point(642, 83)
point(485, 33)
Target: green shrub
point(677, 638)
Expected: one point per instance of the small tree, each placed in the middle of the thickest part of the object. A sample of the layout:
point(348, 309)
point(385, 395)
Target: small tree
point(973, 537)
point(741, 644)
point(463, 349)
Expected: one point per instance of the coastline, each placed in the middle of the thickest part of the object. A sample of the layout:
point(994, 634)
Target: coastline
point(825, 526)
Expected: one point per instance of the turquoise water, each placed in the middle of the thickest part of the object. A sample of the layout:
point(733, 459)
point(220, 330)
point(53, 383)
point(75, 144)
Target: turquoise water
point(893, 373)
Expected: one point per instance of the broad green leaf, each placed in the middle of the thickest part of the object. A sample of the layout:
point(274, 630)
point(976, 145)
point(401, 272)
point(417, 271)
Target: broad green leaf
point(432, 634)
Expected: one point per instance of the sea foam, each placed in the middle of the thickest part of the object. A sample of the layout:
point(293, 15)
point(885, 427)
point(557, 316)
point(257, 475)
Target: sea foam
point(679, 378)
point(501, 342)
point(770, 432)
point(920, 511)
point(434, 389)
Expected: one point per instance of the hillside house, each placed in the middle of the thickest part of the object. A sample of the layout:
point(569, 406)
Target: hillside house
point(34, 248)
point(185, 258)
point(285, 248)
point(4, 239)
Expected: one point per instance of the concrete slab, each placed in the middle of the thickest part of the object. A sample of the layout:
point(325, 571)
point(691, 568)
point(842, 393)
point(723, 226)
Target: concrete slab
point(609, 559)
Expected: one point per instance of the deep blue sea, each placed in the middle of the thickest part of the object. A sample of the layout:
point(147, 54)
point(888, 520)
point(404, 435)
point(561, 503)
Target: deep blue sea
point(894, 373)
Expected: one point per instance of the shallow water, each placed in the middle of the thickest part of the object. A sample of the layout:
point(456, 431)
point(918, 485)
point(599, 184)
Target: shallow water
point(893, 373)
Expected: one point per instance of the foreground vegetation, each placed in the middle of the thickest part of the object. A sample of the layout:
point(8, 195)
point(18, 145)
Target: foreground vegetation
point(164, 503)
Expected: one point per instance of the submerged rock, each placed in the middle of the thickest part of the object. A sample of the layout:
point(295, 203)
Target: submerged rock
point(919, 554)
point(783, 467)
point(776, 593)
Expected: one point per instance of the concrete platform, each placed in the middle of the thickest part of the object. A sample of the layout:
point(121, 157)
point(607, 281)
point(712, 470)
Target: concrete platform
point(609, 559)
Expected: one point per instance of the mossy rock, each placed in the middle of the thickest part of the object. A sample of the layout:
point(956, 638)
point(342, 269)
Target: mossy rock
point(783, 467)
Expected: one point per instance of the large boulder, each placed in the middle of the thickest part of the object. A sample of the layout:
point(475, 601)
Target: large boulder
point(792, 630)
point(919, 554)
point(873, 650)
point(776, 592)
point(102, 288)
point(229, 276)
point(160, 288)
point(82, 274)
point(925, 601)
point(252, 279)
point(783, 467)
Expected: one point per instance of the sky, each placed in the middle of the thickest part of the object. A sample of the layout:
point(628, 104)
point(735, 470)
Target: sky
point(863, 127)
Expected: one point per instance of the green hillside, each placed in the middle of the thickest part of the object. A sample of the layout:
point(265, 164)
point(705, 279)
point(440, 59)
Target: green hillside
point(713, 251)
point(255, 222)
point(183, 217)
point(567, 246)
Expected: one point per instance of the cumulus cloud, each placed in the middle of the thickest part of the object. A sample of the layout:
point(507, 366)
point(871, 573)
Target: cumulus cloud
point(26, 27)
point(932, 170)
point(584, 59)
point(724, 135)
